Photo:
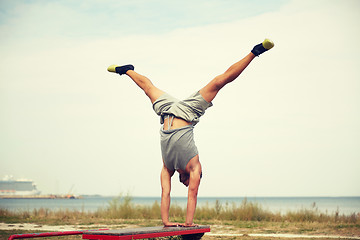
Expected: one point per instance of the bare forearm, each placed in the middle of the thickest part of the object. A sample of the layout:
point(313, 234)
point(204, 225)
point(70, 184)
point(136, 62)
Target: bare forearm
point(191, 207)
point(165, 206)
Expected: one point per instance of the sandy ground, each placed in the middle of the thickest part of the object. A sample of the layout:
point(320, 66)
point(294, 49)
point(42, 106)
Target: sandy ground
point(216, 231)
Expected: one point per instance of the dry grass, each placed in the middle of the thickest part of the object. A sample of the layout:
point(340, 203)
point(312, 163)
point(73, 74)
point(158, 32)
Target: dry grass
point(244, 218)
point(122, 208)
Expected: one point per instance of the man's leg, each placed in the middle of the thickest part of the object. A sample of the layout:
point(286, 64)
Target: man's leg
point(212, 88)
point(146, 85)
point(143, 82)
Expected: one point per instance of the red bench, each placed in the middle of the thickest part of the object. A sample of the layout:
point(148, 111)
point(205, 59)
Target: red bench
point(148, 232)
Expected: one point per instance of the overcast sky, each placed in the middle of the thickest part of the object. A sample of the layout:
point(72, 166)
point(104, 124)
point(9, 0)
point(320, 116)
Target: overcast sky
point(288, 126)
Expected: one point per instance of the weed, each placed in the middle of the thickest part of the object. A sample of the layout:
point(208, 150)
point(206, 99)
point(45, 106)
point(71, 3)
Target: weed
point(246, 214)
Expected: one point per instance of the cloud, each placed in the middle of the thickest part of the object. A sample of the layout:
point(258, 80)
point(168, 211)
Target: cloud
point(93, 19)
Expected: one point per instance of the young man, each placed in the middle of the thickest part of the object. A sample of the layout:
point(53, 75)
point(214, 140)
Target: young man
point(178, 119)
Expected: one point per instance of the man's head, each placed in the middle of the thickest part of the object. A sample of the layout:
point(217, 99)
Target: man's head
point(184, 178)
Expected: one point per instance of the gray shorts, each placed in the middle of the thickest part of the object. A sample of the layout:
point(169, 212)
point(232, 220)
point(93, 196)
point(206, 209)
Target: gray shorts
point(189, 109)
point(178, 145)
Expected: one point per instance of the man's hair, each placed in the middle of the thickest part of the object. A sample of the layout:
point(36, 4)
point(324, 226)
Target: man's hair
point(183, 176)
point(186, 175)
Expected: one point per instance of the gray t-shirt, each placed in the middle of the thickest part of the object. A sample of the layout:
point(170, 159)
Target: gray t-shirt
point(178, 147)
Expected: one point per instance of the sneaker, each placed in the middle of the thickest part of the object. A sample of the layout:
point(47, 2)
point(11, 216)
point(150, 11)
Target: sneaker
point(120, 69)
point(262, 47)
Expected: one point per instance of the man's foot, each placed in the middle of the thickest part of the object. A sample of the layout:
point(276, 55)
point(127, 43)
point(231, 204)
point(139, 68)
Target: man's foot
point(120, 69)
point(262, 47)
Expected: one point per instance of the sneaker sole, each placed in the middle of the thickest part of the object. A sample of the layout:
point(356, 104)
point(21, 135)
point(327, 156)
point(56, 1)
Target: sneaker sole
point(268, 44)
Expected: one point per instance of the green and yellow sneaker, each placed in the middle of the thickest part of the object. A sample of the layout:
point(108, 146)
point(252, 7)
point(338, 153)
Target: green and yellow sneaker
point(120, 69)
point(262, 47)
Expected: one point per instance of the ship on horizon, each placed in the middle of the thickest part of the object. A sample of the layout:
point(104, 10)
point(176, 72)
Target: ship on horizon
point(20, 187)
point(26, 189)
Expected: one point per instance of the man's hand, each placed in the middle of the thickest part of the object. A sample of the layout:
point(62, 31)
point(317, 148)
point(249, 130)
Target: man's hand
point(172, 224)
point(189, 225)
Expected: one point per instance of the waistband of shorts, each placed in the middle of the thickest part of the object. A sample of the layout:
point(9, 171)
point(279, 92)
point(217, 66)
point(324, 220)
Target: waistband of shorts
point(175, 129)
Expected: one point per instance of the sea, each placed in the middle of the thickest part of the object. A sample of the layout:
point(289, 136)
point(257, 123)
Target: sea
point(328, 205)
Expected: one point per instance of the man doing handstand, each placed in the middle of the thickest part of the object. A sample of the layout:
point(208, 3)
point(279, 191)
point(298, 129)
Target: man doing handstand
point(178, 118)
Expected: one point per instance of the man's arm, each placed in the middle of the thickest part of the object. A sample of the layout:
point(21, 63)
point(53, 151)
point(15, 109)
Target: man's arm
point(194, 182)
point(165, 196)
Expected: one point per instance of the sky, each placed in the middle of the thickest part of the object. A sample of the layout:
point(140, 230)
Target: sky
point(288, 126)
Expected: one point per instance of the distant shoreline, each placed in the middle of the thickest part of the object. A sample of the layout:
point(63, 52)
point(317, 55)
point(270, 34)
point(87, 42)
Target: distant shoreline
point(50, 196)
